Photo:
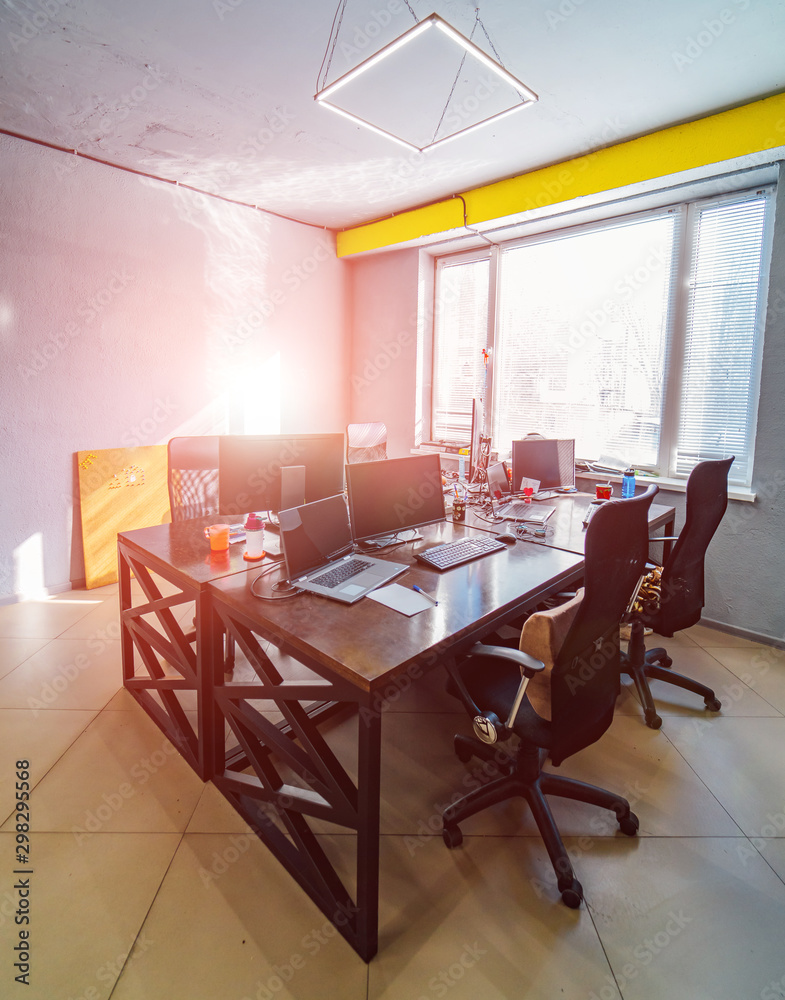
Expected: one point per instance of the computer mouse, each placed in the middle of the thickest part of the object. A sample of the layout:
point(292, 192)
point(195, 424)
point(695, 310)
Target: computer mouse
point(507, 536)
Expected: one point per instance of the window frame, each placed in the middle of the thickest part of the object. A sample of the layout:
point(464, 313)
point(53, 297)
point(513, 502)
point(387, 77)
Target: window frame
point(686, 210)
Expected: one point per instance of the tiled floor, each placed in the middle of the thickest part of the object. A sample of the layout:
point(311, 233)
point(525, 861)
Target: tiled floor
point(144, 885)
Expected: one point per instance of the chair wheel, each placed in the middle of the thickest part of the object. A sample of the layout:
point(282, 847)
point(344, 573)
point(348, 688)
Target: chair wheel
point(629, 825)
point(573, 896)
point(713, 704)
point(462, 751)
point(653, 721)
point(452, 836)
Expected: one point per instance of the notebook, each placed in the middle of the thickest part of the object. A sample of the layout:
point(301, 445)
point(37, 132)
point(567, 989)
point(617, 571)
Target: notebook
point(316, 540)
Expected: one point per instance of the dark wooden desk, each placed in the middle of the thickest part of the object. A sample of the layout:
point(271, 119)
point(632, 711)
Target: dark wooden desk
point(359, 655)
point(160, 662)
point(564, 528)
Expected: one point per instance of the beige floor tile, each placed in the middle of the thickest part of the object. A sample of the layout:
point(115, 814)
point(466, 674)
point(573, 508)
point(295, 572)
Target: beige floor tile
point(476, 922)
point(703, 666)
point(740, 761)
point(771, 850)
point(88, 903)
point(42, 741)
point(644, 766)
point(761, 668)
point(706, 636)
point(693, 918)
point(229, 922)
point(679, 639)
point(101, 625)
point(213, 814)
point(123, 701)
point(120, 775)
point(43, 619)
point(64, 674)
point(421, 776)
point(16, 651)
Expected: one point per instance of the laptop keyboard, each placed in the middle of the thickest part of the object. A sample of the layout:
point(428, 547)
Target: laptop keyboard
point(344, 571)
point(456, 553)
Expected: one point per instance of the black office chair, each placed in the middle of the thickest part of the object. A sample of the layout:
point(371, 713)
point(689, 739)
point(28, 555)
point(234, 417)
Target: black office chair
point(681, 595)
point(565, 710)
point(193, 476)
point(193, 492)
point(366, 442)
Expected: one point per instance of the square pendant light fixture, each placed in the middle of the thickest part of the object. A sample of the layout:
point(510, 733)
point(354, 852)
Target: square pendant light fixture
point(428, 86)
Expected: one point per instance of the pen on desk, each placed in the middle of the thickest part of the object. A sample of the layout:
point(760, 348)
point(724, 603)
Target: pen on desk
point(426, 596)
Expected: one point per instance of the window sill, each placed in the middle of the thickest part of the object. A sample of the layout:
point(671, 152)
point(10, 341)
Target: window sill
point(742, 493)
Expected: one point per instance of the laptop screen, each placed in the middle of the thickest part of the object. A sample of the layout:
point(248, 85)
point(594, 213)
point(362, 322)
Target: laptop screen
point(314, 534)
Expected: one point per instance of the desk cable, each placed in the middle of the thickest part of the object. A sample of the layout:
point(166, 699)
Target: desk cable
point(263, 597)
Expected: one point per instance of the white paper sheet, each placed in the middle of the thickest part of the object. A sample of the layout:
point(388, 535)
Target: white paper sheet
point(402, 599)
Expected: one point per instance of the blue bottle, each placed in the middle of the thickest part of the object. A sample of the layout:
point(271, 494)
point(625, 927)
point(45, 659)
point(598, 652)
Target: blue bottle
point(628, 484)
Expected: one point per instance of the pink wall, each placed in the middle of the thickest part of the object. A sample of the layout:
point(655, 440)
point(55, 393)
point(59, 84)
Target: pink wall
point(130, 311)
point(384, 290)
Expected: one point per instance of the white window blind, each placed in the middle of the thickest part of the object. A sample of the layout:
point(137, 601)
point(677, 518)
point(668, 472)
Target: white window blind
point(719, 376)
point(461, 332)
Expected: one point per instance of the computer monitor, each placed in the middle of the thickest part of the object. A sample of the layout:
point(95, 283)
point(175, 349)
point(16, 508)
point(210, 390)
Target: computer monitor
point(550, 461)
point(392, 495)
point(249, 469)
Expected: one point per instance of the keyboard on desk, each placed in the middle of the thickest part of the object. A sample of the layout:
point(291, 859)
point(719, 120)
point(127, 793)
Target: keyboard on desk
point(456, 553)
point(335, 577)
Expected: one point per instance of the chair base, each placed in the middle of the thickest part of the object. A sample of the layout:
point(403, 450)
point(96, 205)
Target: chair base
point(642, 664)
point(523, 777)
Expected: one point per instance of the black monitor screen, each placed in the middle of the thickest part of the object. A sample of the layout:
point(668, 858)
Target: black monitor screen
point(549, 461)
point(392, 495)
point(249, 468)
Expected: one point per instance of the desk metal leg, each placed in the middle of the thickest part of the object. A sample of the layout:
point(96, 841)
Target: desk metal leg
point(294, 777)
point(153, 643)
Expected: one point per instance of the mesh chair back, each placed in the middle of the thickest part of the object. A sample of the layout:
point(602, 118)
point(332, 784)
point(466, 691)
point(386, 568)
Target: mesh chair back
point(585, 678)
point(682, 585)
point(366, 442)
point(193, 476)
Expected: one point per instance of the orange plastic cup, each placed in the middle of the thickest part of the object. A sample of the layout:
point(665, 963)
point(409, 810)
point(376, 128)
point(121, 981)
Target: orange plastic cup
point(219, 537)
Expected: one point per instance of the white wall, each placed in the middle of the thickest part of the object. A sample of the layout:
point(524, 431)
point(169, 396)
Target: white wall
point(130, 311)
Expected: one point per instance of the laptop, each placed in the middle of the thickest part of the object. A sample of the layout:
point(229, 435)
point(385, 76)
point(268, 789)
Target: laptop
point(316, 541)
point(532, 513)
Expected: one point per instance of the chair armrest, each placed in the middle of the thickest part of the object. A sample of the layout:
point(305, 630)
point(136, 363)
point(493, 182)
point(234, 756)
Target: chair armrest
point(528, 664)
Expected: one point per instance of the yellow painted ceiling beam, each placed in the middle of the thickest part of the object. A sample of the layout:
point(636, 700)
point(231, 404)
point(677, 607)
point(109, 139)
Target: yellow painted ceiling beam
point(748, 129)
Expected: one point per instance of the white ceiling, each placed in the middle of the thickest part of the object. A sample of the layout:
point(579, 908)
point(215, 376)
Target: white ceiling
point(218, 94)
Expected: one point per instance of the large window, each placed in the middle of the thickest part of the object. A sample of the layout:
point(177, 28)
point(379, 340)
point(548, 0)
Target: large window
point(639, 336)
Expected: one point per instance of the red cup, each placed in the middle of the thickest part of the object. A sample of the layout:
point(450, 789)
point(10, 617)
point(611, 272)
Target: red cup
point(604, 491)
